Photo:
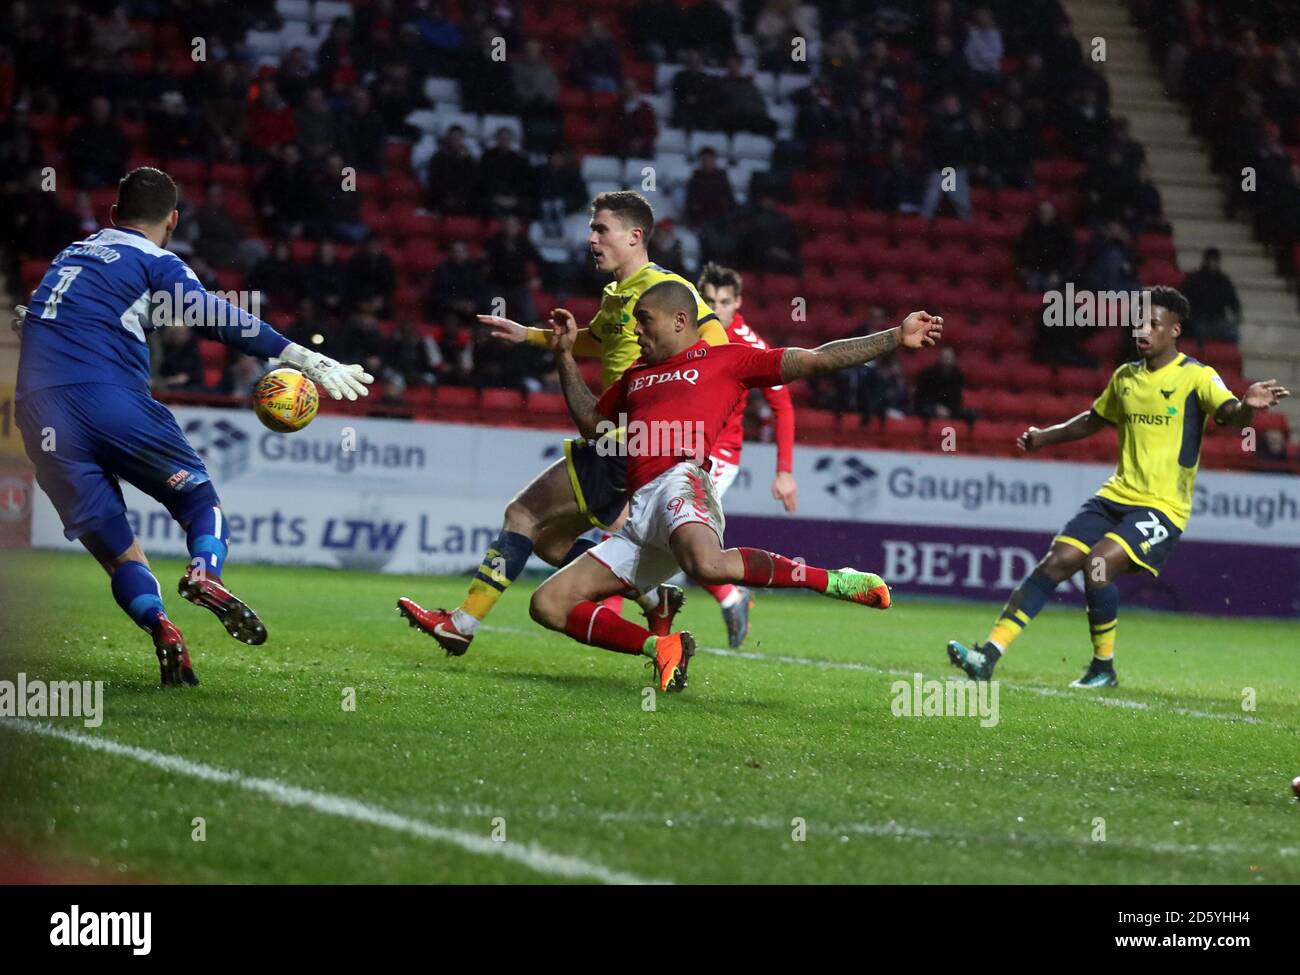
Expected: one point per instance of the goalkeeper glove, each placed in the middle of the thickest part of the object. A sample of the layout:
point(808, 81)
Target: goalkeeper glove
point(335, 378)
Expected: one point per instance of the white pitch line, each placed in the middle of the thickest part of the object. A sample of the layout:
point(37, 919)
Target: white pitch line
point(1115, 702)
point(532, 856)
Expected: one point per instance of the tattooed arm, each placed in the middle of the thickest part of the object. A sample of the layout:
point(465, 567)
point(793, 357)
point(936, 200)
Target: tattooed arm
point(577, 395)
point(918, 330)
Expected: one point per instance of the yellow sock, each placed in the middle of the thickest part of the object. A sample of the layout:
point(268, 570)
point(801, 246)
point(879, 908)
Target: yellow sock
point(1103, 642)
point(1007, 628)
point(480, 599)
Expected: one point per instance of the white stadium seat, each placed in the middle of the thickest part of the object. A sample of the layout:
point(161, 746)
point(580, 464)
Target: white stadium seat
point(747, 145)
point(424, 119)
point(765, 82)
point(664, 76)
point(601, 168)
point(670, 140)
point(291, 10)
point(595, 187)
point(325, 11)
point(632, 174)
point(466, 120)
point(265, 43)
point(788, 84)
point(672, 169)
point(439, 90)
point(718, 141)
point(422, 152)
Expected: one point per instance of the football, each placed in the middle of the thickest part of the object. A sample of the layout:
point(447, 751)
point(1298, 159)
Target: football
point(285, 400)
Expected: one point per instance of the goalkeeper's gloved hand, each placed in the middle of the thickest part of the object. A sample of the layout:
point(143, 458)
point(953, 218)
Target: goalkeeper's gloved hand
point(20, 312)
point(335, 378)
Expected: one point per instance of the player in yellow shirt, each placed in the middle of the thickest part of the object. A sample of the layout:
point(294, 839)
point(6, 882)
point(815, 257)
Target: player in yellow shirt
point(1160, 403)
point(587, 488)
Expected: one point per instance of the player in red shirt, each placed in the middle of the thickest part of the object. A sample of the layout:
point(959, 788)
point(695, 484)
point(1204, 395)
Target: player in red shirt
point(673, 403)
point(720, 287)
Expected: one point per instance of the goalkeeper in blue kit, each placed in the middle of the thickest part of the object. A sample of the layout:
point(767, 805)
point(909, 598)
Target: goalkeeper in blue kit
point(88, 420)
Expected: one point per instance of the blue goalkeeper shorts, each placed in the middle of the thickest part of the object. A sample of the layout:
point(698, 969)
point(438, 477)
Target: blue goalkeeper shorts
point(83, 438)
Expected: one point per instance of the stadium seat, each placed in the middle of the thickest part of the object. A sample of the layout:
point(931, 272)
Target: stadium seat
point(816, 423)
point(456, 397)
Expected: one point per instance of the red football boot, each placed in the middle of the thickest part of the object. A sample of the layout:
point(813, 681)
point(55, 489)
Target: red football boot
point(173, 656)
point(437, 623)
point(206, 590)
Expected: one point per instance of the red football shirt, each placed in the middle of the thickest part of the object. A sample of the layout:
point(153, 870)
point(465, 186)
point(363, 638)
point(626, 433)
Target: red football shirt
point(674, 410)
point(732, 438)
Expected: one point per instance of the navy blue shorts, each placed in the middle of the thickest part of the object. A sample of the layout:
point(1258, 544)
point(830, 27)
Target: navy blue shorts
point(1147, 535)
point(82, 438)
point(599, 480)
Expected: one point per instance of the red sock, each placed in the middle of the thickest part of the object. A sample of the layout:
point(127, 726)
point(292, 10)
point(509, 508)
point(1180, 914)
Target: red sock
point(598, 626)
point(720, 592)
point(613, 602)
point(771, 571)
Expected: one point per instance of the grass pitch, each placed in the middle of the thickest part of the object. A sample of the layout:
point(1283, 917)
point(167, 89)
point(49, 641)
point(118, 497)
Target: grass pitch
point(534, 759)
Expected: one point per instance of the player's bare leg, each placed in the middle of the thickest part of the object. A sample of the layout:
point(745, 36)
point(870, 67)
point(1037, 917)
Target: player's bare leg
point(978, 660)
point(702, 557)
point(545, 507)
point(569, 602)
point(138, 593)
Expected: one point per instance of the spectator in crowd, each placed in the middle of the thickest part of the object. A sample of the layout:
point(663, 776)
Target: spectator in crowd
point(511, 261)
point(362, 134)
point(668, 250)
point(414, 354)
point(694, 91)
point(709, 23)
point(340, 58)
point(939, 388)
point(560, 187)
point(225, 111)
point(285, 196)
point(453, 175)
point(505, 178)
point(295, 76)
point(1216, 309)
point(534, 80)
point(338, 202)
point(279, 277)
point(1012, 147)
point(1273, 453)
point(219, 235)
point(596, 63)
point(458, 284)
point(708, 193)
point(176, 131)
point(944, 68)
point(1045, 251)
point(371, 278)
point(315, 129)
point(951, 149)
point(453, 358)
point(983, 47)
point(653, 28)
point(740, 106)
point(780, 25)
point(325, 281)
point(97, 149)
point(883, 391)
point(636, 126)
point(770, 242)
point(181, 366)
point(898, 184)
point(270, 120)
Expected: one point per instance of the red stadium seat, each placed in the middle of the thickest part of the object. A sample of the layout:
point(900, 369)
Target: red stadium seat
point(903, 433)
point(549, 405)
point(456, 397)
point(816, 423)
point(1030, 377)
point(503, 404)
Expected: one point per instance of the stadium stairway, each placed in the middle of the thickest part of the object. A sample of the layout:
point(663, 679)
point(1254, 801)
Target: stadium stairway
point(1193, 199)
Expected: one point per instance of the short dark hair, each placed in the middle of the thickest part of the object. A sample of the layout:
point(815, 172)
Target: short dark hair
point(674, 296)
point(1164, 296)
point(629, 206)
point(717, 276)
point(145, 195)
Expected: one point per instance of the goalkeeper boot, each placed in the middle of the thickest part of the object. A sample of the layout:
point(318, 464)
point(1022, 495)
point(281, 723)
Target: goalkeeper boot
point(206, 590)
point(976, 660)
point(659, 620)
point(736, 617)
point(866, 588)
point(672, 657)
point(438, 624)
point(173, 656)
point(1100, 673)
